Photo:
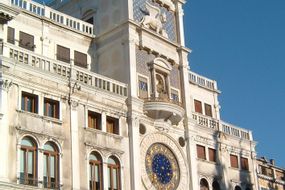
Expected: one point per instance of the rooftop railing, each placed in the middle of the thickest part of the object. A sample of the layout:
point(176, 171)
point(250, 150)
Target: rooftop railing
point(64, 70)
point(56, 16)
point(222, 126)
point(202, 81)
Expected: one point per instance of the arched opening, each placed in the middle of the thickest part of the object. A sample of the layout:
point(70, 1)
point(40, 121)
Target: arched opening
point(204, 185)
point(113, 173)
point(28, 161)
point(51, 165)
point(237, 188)
point(216, 185)
point(96, 173)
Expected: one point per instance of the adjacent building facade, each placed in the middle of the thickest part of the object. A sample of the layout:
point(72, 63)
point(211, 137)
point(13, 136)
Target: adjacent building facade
point(270, 176)
point(98, 94)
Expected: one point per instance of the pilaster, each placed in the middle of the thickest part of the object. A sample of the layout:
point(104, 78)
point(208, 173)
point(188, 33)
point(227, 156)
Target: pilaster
point(75, 165)
point(134, 153)
point(133, 119)
point(180, 24)
point(4, 128)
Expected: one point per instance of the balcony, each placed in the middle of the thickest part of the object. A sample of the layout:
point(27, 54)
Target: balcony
point(164, 109)
point(218, 125)
point(54, 16)
point(203, 82)
point(63, 70)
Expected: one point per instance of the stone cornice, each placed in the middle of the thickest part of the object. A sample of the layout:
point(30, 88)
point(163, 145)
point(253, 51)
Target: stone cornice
point(7, 12)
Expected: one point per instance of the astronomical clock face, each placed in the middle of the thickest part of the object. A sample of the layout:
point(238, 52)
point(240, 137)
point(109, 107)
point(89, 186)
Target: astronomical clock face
point(162, 167)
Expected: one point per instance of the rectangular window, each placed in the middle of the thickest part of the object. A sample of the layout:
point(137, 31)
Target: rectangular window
point(280, 175)
point(112, 125)
point(80, 59)
point(174, 95)
point(94, 120)
point(51, 108)
point(143, 88)
point(208, 110)
point(244, 163)
point(198, 106)
point(212, 155)
point(262, 170)
point(26, 41)
point(29, 102)
point(234, 161)
point(201, 153)
point(63, 54)
point(11, 35)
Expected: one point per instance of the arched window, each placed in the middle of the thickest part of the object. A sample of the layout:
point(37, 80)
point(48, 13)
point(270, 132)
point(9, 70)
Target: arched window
point(204, 184)
point(51, 165)
point(216, 185)
point(113, 173)
point(237, 188)
point(28, 162)
point(95, 168)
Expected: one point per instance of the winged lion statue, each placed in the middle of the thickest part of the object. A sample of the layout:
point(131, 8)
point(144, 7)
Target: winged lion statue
point(154, 19)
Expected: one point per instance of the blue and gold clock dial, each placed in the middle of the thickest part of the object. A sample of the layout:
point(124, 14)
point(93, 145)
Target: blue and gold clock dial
point(162, 167)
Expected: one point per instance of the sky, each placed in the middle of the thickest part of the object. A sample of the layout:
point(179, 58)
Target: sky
point(241, 45)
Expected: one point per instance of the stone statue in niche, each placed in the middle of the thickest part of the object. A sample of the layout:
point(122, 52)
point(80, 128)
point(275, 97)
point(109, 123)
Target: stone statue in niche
point(160, 87)
point(154, 19)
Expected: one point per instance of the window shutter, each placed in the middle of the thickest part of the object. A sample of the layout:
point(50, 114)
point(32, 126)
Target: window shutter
point(212, 155)
point(234, 161)
point(201, 152)
point(26, 41)
point(208, 110)
point(63, 54)
point(80, 59)
point(11, 35)
point(244, 163)
point(198, 106)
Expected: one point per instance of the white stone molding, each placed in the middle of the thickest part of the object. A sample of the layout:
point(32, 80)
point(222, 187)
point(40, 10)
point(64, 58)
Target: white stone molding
point(166, 140)
point(154, 19)
point(104, 151)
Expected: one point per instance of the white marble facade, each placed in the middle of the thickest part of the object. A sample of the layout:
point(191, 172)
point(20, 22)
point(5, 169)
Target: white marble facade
point(107, 84)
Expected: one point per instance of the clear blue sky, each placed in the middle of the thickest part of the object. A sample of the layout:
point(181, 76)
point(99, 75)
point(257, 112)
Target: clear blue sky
point(241, 44)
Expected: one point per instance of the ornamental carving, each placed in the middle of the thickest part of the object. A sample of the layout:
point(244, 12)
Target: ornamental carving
point(6, 84)
point(154, 19)
point(168, 3)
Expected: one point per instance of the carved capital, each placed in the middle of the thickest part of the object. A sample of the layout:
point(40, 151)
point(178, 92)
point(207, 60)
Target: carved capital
point(5, 84)
point(74, 104)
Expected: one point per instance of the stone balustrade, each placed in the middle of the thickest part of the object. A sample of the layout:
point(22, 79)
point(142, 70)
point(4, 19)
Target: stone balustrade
point(64, 70)
point(202, 81)
point(222, 126)
point(56, 16)
point(206, 121)
point(235, 131)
